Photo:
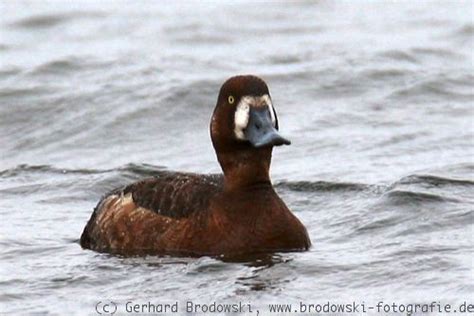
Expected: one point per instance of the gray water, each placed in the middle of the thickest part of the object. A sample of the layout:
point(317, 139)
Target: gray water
point(377, 98)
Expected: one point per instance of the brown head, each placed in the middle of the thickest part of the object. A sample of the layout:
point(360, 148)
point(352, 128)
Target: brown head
point(244, 129)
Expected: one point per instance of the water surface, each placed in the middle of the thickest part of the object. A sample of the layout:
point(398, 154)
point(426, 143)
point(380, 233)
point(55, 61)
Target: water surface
point(376, 97)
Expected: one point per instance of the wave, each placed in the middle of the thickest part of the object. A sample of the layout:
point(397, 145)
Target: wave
point(465, 31)
point(53, 185)
point(315, 186)
point(398, 55)
point(391, 194)
point(398, 197)
point(68, 65)
point(15, 92)
point(433, 88)
point(138, 169)
point(43, 21)
point(4, 47)
point(434, 180)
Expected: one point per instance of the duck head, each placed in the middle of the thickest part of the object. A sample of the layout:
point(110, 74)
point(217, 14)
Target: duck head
point(244, 129)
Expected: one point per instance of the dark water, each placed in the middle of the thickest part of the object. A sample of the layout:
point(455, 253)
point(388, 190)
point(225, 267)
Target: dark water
point(377, 98)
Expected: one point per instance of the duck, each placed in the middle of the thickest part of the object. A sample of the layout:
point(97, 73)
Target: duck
point(237, 212)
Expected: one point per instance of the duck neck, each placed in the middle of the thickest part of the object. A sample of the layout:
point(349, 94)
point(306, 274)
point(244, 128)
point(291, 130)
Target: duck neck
point(245, 168)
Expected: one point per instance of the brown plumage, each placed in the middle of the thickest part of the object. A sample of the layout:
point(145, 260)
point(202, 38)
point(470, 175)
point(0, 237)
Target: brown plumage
point(190, 214)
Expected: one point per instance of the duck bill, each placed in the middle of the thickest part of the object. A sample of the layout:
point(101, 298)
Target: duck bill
point(261, 132)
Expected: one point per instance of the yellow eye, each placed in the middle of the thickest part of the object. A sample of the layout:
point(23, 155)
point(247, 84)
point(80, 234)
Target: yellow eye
point(231, 99)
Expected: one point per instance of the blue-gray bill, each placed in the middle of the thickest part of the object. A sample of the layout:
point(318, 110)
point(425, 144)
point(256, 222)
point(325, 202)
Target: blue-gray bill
point(261, 131)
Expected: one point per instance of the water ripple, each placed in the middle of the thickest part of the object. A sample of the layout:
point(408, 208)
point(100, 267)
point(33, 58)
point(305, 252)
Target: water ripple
point(400, 197)
point(45, 21)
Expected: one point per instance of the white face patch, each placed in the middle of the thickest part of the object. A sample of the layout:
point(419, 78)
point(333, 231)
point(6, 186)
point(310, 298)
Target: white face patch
point(241, 118)
point(242, 112)
point(268, 101)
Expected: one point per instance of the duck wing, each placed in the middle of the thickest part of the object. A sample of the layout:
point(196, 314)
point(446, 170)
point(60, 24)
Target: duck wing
point(155, 202)
point(175, 195)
